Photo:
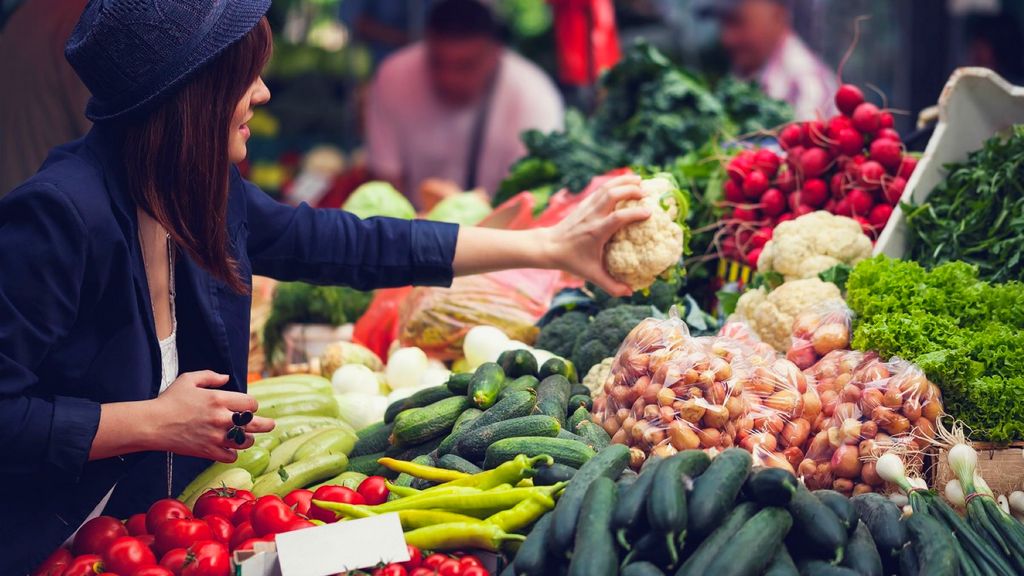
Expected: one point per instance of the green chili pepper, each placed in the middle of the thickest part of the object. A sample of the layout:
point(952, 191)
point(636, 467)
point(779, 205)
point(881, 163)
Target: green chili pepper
point(411, 519)
point(460, 535)
point(429, 473)
point(527, 511)
point(478, 505)
point(401, 491)
point(511, 472)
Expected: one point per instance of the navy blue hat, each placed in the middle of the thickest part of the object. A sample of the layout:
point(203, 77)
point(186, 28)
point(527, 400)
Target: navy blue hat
point(129, 53)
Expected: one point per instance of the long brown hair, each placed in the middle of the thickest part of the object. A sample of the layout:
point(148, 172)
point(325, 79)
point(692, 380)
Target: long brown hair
point(176, 157)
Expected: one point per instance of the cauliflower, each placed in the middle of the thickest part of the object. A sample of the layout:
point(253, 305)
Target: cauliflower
point(343, 353)
point(771, 314)
point(597, 376)
point(813, 243)
point(637, 254)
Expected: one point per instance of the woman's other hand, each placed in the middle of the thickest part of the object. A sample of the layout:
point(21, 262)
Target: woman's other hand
point(193, 419)
point(576, 244)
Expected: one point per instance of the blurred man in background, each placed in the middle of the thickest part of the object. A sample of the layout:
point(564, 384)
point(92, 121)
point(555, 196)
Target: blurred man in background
point(450, 109)
point(762, 46)
point(42, 102)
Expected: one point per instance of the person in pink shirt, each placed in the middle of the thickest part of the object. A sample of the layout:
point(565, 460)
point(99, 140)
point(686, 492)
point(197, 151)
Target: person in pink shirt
point(762, 46)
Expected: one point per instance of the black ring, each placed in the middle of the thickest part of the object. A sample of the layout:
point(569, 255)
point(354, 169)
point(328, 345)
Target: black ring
point(241, 418)
point(237, 434)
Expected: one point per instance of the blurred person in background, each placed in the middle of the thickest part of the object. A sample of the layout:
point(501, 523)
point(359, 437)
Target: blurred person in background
point(761, 44)
point(42, 101)
point(384, 26)
point(445, 114)
point(994, 42)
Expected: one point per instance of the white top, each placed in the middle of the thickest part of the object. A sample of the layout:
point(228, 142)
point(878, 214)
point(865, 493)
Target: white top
point(796, 75)
point(411, 134)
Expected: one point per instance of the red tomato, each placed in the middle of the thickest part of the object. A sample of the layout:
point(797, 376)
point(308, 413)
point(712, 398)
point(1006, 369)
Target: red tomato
point(243, 513)
point(136, 524)
point(470, 561)
point(55, 564)
point(84, 565)
point(299, 524)
point(423, 571)
point(475, 571)
point(181, 533)
point(126, 555)
point(450, 567)
point(174, 560)
point(434, 561)
point(220, 527)
point(415, 557)
point(333, 494)
point(241, 533)
point(223, 501)
point(149, 540)
point(95, 536)
point(299, 500)
point(373, 490)
point(153, 571)
point(271, 516)
point(391, 570)
point(248, 543)
point(208, 558)
point(163, 510)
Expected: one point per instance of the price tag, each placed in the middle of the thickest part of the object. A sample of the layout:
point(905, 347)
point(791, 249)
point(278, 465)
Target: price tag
point(340, 547)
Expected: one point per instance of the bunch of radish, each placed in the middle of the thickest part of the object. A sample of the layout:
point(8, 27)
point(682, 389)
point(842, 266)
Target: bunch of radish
point(851, 165)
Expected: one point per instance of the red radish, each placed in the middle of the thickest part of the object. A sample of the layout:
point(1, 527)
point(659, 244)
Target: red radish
point(729, 247)
point(837, 123)
point(802, 209)
point(837, 185)
point(784, 218)
point(773, 202)
point(848, 98)
point(752, 257)
point(790, 136)
point(814, 133)
point(866, 118)
point(785, 181)
point(795, 200)
point(886, 152)
point(865, 226)
point(733, 193)
point(814, 162)
point(849, 142)
point(830, 206)
point(761, 237)
point(738, 168)
point(743, 236)
point(767, 161)
point(843, 207)
point(860, 202)
point(907, 166)
point(871, 174)
point(814, 193)
point(879, 215)
point(793, 155)
point(893, 189)
point(888, 133)
point(885, 120)
point(754, 184)
point(746, 214)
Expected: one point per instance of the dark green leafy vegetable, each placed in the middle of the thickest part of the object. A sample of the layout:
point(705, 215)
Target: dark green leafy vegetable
point(298, 302)
point(837, 275)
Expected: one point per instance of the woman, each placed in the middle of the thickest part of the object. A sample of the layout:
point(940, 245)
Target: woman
point(127, 261)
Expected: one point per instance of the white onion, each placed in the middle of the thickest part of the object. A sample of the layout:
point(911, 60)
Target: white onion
point(433, 376)
point(955, 493)
point(355, 378)
point(891, 469)
point(542, 356)
point(1017, 502)
point(1004, 504)
point(484, 344)
point(361, 410)
point(405, 367)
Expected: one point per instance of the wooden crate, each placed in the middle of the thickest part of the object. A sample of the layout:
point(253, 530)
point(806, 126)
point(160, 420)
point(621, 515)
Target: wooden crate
point(1002, 467)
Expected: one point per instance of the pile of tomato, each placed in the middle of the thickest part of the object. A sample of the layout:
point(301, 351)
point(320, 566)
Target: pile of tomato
point(433, 565)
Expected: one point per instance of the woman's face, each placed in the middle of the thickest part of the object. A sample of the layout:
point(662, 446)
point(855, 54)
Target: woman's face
point(256, 95)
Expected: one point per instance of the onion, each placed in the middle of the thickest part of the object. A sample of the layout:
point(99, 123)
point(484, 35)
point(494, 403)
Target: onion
point(405, 366)
point(1017, 502)
point(899, 499)
point(484, 344)
point(955, 494)
point(890, 467)
point(963, 460)
point(846, 462)
point(361, 410)
point(1004, 504)
point(433, 376)
point(355, 379)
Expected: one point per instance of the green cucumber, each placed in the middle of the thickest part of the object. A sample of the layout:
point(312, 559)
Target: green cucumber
point(549, 475)
point(579, 401)
point(718, 541)
point(373, 438)
point(300, 474)
point(568, 452)
point(651, 547)
point(458, 384)
point(609, 463)
point(579, 390)
point(770, 486)
point(419, 425)
point(593, 435)
point(908, 561)
point(410, 452)
point(631, 509)
point(299, 405)
point(594, 551)
point(816, 529)
point(933, 544)
point(755, 544)
point(284, 454)
point(666, 503)
point(512, 406)
point(288, 427)
point(516, 363)
point(641, 569)
point(367, 464)
point(883, 520)
point(532, 558)
point(782, 564)
point(329, 441)
point(862, 554)
point(455, 462)
point(560, 367)
point(406, 480)
point(715, 491)
point(486, 384)
point(521, 383)
point(553, 397)
point(474, 446)
point(821, 568)
point(448, 444)
point(840, 506)
point(419, 399)
point(581, 414)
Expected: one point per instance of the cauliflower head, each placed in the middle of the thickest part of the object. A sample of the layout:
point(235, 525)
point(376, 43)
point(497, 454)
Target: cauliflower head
point(813, 243)
point(771, 314)
point(637, 254)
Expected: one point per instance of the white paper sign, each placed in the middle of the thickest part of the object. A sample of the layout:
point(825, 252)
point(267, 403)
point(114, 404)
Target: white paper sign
point(335, 548)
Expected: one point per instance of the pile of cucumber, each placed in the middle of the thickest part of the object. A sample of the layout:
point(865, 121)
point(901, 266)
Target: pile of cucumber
point(689, 515)
point(478, 420)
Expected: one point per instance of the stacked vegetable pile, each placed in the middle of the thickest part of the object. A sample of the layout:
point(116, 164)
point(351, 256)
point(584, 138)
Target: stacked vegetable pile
point(691, 515)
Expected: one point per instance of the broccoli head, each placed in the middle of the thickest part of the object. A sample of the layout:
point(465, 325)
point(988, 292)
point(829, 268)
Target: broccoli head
point(559, 335)
point(663, 294)
point(605, 334)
